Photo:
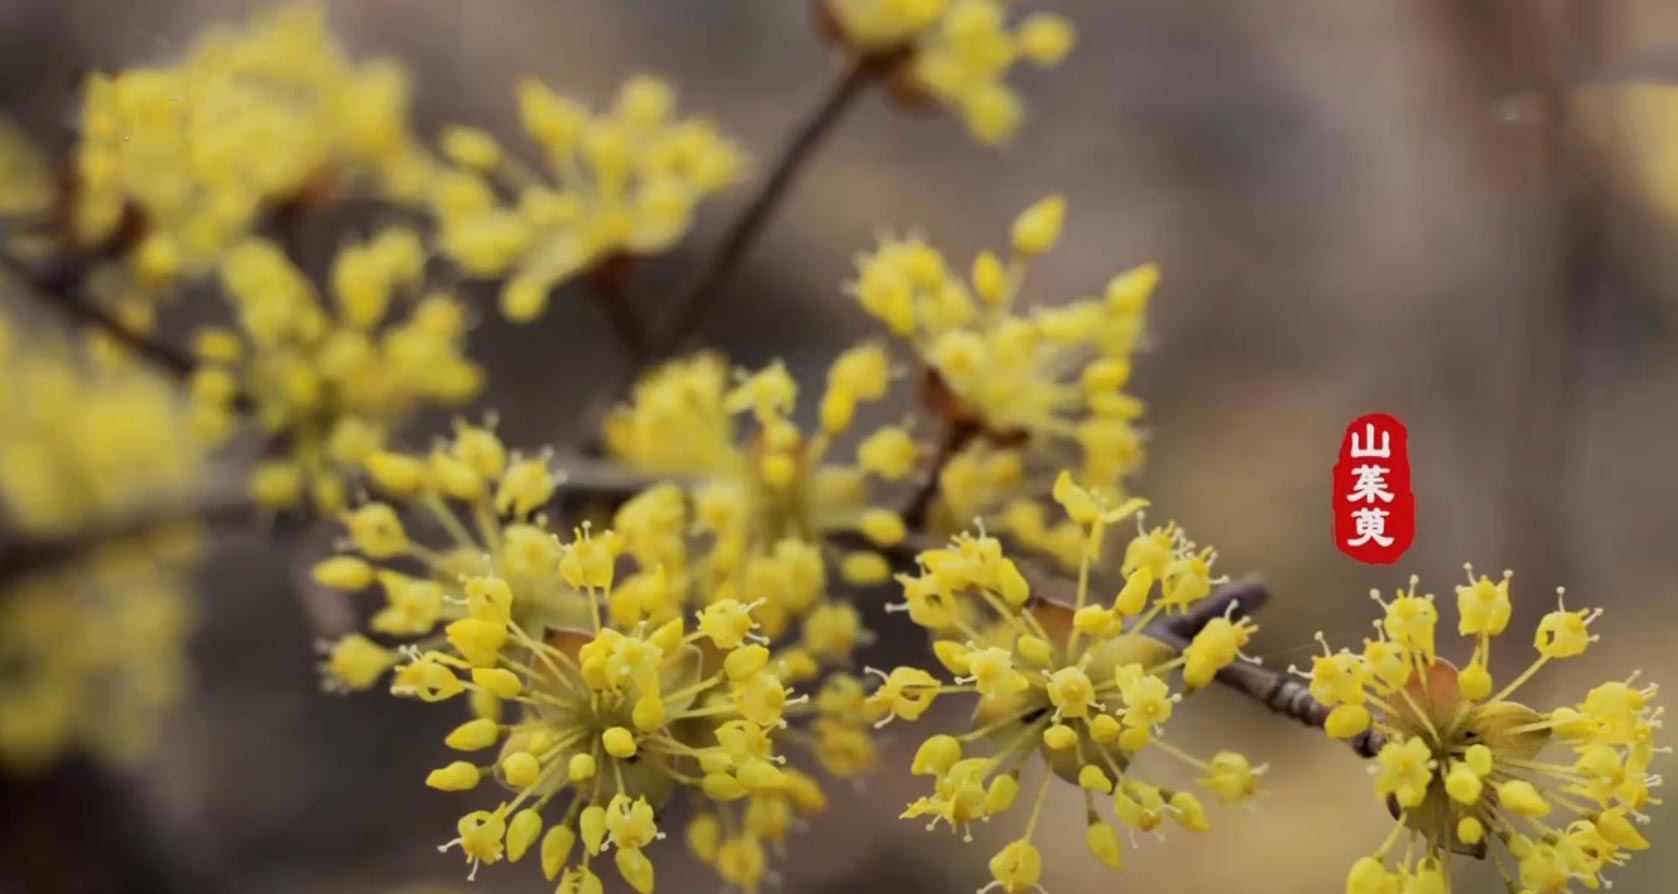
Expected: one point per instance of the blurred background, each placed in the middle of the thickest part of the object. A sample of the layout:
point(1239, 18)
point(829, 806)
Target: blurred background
point(1358, 207)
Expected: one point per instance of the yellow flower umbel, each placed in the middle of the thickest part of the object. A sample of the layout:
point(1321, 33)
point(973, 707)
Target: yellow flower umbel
point(960, 51)
point(1462, 763)
point(765, 496)
point(330, 381)
point(755, 522)
point(622, 182)
point(1082, 686)
point(483, 513)
point(92, 649)
point(609, 721)
point(247, 120)
point(1037, 383)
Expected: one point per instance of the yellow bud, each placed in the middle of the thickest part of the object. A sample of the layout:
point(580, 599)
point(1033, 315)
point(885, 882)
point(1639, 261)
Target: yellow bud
point(1133, 597)
point(592, 825)
point(648, 713)
point(499, 682)
point(581, 767)
point(1060, 737)
point(1045, 38)
point(1475, 681)
point(474, 735)
point(704, 833)
point(1105, 728)
point(882, 527)
point(1462, 785)
point(1001, 794)
point(745, 661)
point(459, 776)
point(722, 787)
point(1094, 620)
point(864, 569)
point(1034, 649)
point(619, 742)
point(1103, 841)
point(521, 769)
point(953, 655)
point(522, 832)
point(935, 756)
point(1077, 502)
point(1470, 832)
point(1038, 228)
point(1346, 721)
point(1519, 796)
point(1011, 583)
point(344, 573)
point(1090, 777)
point(1135, 738)
point(556, 849)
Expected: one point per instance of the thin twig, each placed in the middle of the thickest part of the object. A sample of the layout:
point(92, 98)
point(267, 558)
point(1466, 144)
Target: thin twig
point(23, 554)
point(59, 288)
point(695, 299)
point(956, 436)
point(608, 289)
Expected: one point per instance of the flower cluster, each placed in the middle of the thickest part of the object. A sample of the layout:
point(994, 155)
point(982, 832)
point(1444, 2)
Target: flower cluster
point(1043, 381)
point(765, 494)
point(1083, 686)
point(1461, 765)
point(755, 520)
point(92, 648)
point(247, 120)
point(486, 507)
point(960, 51)
point(330, 381)
point(622, 182)
point(613, 712)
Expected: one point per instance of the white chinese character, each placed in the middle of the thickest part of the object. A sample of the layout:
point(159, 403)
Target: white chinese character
point(1368, 448)
point(1372, 525)
point(1370, 486)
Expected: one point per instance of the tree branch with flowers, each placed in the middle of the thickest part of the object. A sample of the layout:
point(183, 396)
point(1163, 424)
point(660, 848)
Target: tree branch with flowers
point(695, 640)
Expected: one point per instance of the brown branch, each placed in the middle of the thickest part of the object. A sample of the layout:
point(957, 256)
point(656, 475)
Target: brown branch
point(957, 433)
point(695, 299)
point(59, 287)
point(608, 289)
point(24, 554)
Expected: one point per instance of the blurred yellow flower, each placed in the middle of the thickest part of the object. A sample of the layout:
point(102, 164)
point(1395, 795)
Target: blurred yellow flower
point(960, 51)
point(329, 380)
point(625, 181)
point(247, 120)
point(92, 648)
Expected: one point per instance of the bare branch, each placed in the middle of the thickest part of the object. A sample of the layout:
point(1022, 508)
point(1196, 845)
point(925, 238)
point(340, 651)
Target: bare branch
point(59, 287)
point(694, 301)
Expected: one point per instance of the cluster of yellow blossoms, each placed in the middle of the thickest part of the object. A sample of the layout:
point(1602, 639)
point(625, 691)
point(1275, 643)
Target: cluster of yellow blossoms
point(960, 51)
point(247, 120)
point(1035, 383)
point(1083, 686)
point(623, 182)
point(92, 648)
point(1461, 763)
point(618, 705)
point(329, 382)
point(760, 484)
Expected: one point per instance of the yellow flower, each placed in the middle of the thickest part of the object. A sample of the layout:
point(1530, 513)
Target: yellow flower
point(1040, 387)
point(1095, 699)
point(1464, 766)
point(960, 51)
point(623, 182)
point(93, 647)
point(333, 378)
point(247, 120)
